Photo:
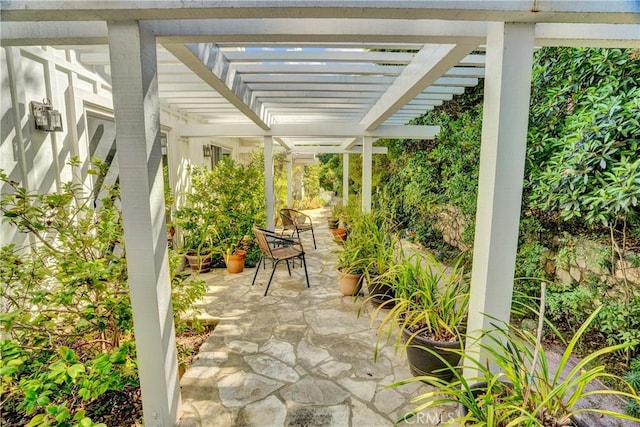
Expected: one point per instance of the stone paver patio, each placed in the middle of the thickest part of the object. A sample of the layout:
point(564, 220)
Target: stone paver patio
point(297, 357)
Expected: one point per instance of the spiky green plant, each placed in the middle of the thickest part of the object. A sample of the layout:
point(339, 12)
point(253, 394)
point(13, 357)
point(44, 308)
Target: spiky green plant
point(507, 391)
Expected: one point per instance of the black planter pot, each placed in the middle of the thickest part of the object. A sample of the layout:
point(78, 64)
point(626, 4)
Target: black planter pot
point(423, 362)
point(381, 293)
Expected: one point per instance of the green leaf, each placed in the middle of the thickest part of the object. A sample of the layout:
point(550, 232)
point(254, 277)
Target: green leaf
point(35, 421)
point(43, 401)
point(74, 370)
point(8, 370)
point(84, 393)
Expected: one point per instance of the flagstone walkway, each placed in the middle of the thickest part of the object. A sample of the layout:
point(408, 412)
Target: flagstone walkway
point(297, 357)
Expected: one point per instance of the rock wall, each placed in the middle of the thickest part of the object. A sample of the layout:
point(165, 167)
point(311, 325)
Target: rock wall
point(582, 258)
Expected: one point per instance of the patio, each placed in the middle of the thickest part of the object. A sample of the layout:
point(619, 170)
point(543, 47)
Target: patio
point(297, 357)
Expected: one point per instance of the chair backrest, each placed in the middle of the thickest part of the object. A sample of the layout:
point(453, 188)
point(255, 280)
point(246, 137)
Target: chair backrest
point(287, 216)
point(263, 244)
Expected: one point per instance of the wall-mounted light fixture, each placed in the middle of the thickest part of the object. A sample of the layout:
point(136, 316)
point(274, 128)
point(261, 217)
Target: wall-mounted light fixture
point(45, 117)
point(206, 150)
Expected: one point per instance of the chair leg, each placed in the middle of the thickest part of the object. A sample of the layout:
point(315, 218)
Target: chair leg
point(288, 268)
point(306, 275)
point(258, 269)
point(314, 238)
point(271, 278)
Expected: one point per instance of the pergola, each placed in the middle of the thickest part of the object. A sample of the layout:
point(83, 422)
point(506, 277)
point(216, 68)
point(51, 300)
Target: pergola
point(314, 77)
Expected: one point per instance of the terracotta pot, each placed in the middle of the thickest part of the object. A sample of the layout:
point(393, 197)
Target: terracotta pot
point(422, 362)
point(349, 284)
point(339, 234)
point(199, 263)
point(235, 261)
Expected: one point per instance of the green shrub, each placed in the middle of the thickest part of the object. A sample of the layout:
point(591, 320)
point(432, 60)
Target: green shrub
point(222, 206)
point(620, 321)
point(569, 305)
point(67, 327)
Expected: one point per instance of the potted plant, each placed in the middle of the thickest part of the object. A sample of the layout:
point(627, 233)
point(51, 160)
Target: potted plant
point(517, 386)
point(379, 249)
point(235, 255)
point(334, 220)
point(350, 264)
point(196, 238)
point(430, 307)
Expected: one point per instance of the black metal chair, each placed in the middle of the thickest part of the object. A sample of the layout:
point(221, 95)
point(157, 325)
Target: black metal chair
point(296, 222)
point(277, 249)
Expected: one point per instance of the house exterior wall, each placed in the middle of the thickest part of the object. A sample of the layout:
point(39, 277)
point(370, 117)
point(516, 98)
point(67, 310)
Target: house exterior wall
point(39, 160)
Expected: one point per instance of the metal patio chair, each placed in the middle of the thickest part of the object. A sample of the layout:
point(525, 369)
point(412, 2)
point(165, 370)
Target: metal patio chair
point(277, 249)
point(296, 222)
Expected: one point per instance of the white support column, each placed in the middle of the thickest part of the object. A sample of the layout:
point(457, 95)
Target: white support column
point(132, 50)
point(345, 179)
point(268, 182)
point(367, 160)
point(502, 159)
point(289, 180)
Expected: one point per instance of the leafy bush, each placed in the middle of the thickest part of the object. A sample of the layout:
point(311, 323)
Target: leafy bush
point(570, 306)
point(621, 322)
point(67, 328)
point(222, 206)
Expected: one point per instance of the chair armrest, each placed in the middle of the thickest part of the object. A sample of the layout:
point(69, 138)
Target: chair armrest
point(274, 238)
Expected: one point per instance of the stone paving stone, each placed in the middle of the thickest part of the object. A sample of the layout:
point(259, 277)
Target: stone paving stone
point(309, 355)
point(364, 390)
point(243, 347)
point(331, 321)
point(280, 350)
point(205, 413)
point(361, 415)
point(332, 369)
point(272, 368)
point(387, 400)
point(314, 391)
point(267, 412)
point(241, 388)
point(201, 372)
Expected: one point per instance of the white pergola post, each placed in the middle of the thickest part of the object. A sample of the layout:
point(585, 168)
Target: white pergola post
point(502, 159)
point(345, 179)
point(367, 160)
point(289, 180)
point(268, 182)
point(132, 50)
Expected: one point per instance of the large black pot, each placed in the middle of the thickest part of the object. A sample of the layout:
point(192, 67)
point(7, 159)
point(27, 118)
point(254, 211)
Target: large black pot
point(422, 362)
point(381, 293)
